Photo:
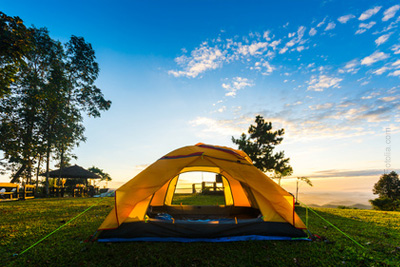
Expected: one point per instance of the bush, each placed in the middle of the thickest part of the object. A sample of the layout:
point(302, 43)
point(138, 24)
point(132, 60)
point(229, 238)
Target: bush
point(385, 203)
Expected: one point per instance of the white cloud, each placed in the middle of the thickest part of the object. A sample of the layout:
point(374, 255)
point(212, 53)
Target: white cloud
point(396, 49)
point(323, 106)
point(323, 82)
point(222, 109)
point(312, 32)
point(291, 43)
point(266, 35)
point(213, 127)
point(382, 39)
point(237, 84)
point(372, 95)
point(202, 59)
point(350, 67)
point(381, 70)
point(395, 73)
point(346, 18)
point(294, 104)
point(269, 68)
point(283, 50)
point(218, 102)
point(351, 64)
point(388, 98)
point(300, 48)
point(396, 63)
point(390, 12)
point(296, 40)
point(256, 48)
point(330, 26)
point(364, 27)
point(274, 44)
point(369, 13)
point(321, 23)
point(376, 56)
point(300, 32)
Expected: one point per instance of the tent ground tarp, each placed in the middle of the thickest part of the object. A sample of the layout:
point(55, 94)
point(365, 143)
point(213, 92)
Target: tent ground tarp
point(191, 230)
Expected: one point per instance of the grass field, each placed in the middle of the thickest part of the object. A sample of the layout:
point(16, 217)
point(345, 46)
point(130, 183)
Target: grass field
point(22, 223)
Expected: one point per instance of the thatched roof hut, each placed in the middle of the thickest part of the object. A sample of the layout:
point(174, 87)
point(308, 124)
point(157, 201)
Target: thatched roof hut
point(72, 172)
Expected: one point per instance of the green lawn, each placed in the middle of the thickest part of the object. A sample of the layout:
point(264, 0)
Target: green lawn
point(198, 199)
point(22, 223)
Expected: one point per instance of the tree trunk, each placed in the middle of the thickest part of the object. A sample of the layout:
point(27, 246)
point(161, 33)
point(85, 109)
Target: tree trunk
point(61, 164)
point(297, 191)
point(47, 168)
point(18, 174)
point(29, 172)
point(37, 172)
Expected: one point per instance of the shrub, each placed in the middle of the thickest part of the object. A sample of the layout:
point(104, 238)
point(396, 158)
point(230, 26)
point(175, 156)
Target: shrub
point(385, 203)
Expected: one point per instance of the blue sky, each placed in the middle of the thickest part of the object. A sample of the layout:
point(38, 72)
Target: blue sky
point(182, 72)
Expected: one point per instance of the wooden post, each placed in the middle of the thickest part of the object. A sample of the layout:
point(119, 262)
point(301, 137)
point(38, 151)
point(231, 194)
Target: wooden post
point(215, 186)
point(194, 188)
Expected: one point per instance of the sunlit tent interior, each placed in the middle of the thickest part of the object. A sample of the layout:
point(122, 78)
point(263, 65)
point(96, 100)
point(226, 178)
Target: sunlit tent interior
point(256, 208)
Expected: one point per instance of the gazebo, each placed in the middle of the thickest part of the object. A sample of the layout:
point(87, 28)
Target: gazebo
point(72, 172)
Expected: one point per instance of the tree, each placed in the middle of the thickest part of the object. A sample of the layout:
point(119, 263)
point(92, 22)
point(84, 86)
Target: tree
point(388, 189)
point(282, 172)
point(299, 179)
point(14, 44)
point(388, 186)
point(104, 176)
point(260, 145)
point(42, 113)
point(21, 110)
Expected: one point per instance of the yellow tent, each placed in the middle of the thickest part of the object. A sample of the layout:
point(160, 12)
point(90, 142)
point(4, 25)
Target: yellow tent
point(254, 204)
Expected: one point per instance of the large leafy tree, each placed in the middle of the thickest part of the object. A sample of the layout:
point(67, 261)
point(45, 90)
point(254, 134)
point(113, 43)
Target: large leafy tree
point(260, 145)
point(14, 44)
point(21, 111)
point(388, 186)
point(388, 189)
point(43, 112)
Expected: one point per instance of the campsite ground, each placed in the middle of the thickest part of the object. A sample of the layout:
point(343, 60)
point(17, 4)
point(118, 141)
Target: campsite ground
point(22, 223)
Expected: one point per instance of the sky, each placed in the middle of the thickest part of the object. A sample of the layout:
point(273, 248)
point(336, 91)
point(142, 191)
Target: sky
point(183, 72)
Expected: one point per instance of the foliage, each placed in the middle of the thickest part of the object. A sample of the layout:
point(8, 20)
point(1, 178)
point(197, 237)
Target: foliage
point(388, 189)
point(388, 186)
point(104, 176)
point(299, 179)
point(43, 112)
point(14, 44)
point(260, 144)
point(345, 207)
point(25, 222)
point(385, 203)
